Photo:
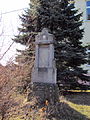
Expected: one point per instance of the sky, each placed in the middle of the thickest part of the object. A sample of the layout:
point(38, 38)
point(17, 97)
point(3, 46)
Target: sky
point(9, 22)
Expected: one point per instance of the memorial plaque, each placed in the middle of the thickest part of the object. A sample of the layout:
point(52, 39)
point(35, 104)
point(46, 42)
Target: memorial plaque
point(43, 56)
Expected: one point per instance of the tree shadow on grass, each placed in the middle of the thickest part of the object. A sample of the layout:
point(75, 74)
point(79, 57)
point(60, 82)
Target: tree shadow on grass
point(57, 111)
point(63, 112)
point(80, 98)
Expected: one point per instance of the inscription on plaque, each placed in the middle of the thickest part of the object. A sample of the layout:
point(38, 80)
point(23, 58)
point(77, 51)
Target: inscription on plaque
point(43, 56)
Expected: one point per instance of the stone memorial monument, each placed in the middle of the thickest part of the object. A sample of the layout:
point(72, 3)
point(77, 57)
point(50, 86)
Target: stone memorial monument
point(44, 73)
point(44, 69)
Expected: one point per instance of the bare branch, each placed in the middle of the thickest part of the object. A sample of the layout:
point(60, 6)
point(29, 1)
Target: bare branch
point(7, 50)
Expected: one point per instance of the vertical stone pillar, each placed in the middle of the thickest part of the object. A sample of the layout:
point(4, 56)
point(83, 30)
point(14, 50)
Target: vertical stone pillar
point(44, 69)
point(44, 73)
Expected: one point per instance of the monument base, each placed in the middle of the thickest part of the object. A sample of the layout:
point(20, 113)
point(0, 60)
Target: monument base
point(40, 75)
point(44, 93)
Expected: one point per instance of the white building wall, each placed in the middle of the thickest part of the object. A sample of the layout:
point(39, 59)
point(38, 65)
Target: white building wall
point(81, 5)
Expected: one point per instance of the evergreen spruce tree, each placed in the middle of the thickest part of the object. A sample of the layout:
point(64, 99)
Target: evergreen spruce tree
point(63, 20)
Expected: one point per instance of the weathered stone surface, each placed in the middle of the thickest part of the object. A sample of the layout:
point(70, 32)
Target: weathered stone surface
point(43, 60)
point(44, 70)
point(44, 92)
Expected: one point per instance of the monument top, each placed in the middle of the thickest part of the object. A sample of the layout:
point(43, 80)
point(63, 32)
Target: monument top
point(44, 37)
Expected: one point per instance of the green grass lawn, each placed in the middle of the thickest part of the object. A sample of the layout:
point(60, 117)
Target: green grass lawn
point(83, 109)
point(80, 102)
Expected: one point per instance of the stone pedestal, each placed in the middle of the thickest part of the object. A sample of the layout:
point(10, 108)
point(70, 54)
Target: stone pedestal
point(43, 92)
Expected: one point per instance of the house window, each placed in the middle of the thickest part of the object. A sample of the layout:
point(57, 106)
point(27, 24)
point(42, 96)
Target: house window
point(88, 9)
point(89, 58)
point(88, 55)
